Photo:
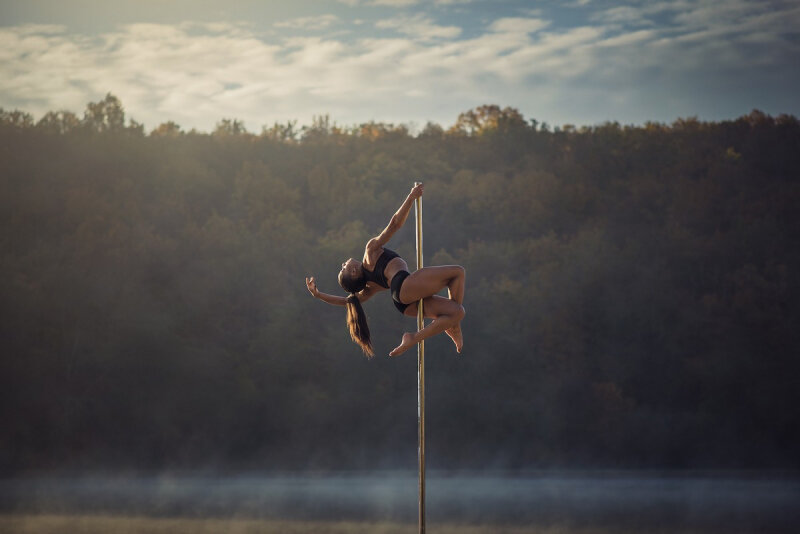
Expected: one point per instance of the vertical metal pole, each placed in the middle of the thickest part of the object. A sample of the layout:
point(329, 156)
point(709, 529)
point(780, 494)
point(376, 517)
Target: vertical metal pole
point(420, 377)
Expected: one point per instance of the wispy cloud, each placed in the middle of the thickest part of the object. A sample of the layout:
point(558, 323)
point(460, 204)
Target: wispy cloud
point(318, 22)
point(390, 3)
point(394, 3)
point(622, 14)
point(517, 25)
point(403, 3)
point(420, 27)
point(673, 55)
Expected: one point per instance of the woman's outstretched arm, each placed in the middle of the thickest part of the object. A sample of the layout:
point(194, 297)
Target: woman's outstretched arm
point(336, 300)
point(398, 219)
point(311, 284)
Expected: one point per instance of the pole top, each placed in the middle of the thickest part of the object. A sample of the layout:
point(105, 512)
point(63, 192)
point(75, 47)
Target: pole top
point(417, 183)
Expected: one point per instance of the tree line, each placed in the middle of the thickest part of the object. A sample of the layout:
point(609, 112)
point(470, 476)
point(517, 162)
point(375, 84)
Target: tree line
point(632, 294)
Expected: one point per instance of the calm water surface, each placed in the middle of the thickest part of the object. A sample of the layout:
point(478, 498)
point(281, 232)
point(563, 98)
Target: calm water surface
point(757, 502)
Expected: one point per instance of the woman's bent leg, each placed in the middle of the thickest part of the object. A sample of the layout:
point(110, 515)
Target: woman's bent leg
point(446, 315)
point(430, 280)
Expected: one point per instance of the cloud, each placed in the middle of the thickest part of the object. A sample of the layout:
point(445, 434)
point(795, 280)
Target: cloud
point(420, 27)
point(686, 16)
point(628, 39)
point(389, 3)
point(622, 14)
point(394, 3)
point(674, 57)
point(318, 22)
point(518, 25)
point(402, 3)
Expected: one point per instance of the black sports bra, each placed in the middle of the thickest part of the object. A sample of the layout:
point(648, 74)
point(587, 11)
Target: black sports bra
point(377, 275)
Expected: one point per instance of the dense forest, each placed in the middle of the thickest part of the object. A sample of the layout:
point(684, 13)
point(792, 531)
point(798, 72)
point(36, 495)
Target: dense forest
point(633, 294)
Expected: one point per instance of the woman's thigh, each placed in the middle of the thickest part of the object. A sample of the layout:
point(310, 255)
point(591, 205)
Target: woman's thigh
point(433, 307)
point(428, 281)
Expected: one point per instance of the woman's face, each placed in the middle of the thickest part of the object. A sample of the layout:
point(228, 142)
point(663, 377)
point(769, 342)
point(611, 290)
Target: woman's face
point(351, 268)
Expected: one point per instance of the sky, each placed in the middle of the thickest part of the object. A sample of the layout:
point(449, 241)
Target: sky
point(580, 62)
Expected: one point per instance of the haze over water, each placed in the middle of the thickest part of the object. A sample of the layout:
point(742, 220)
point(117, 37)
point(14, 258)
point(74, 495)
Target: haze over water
point(736, 501)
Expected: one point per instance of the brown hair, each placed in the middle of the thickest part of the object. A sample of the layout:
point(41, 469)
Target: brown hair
point(357, 324)
point(356, 318)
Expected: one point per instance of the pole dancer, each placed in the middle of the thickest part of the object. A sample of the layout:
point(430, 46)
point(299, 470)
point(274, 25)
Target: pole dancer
point(382, 269)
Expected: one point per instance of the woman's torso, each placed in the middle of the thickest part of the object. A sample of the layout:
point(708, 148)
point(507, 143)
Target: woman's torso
point(391, 268)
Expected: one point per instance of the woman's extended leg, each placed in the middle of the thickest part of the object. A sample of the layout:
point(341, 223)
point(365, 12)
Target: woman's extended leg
point(430, 280)
point(446, 315)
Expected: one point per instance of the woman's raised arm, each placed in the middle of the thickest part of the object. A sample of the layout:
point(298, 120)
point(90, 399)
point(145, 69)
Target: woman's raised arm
point(398, 219)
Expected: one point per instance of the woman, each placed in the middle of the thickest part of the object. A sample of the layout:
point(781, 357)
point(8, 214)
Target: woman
point(383, 269)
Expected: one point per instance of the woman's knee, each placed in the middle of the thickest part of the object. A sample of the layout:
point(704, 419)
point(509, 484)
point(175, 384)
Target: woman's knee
point(460, 313)
point(455, 273)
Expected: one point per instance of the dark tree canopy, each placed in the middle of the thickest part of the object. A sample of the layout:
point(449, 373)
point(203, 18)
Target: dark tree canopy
point(632, 293)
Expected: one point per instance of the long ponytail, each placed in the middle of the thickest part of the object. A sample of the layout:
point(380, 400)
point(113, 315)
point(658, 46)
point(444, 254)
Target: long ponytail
point(357, 324)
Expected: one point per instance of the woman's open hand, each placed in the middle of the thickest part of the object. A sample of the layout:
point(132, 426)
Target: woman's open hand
point(311, 284)
point(416, 191)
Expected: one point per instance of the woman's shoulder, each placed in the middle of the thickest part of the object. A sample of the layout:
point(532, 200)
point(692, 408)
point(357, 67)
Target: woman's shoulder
point(372, 252)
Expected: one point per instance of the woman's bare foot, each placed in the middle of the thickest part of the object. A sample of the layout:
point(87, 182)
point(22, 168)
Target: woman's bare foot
point(456, 336)
point(405, 344)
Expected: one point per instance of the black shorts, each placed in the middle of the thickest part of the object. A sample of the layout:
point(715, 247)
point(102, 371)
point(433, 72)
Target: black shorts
point(397, 283)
